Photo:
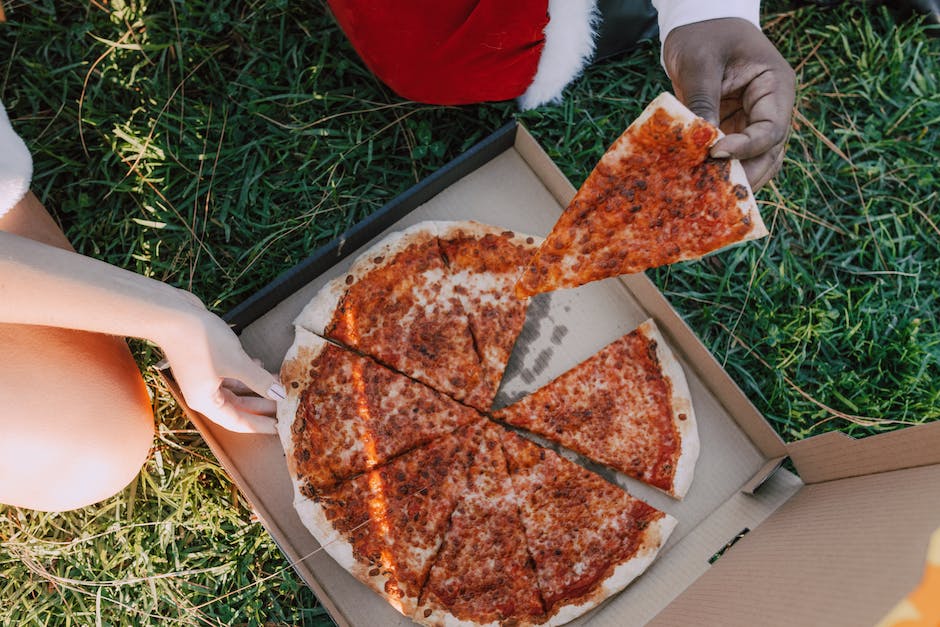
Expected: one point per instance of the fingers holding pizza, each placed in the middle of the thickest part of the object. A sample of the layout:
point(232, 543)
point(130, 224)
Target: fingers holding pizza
point(729, 73)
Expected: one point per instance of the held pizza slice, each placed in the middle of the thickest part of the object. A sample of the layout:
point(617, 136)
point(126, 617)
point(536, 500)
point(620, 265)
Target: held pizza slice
point(655, 197)
point(397, 304)
point(345, 414)
point(628, 406)
point(484, 263)
point(588, 538)
point(483, 573)
point(386, 526)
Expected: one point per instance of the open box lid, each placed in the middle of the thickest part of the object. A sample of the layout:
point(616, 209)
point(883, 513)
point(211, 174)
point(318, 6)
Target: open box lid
point(508, 180)
point(843, 551)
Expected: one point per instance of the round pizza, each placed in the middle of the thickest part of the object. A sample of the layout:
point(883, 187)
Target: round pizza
point(410, 481)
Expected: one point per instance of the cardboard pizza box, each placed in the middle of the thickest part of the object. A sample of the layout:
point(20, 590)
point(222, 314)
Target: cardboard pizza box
point(838, 545)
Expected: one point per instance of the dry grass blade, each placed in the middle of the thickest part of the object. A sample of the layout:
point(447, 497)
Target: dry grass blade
point(81, 99)
point(798, 115)
point(863, 421)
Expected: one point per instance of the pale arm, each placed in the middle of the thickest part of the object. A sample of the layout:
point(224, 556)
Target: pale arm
point(44, 285)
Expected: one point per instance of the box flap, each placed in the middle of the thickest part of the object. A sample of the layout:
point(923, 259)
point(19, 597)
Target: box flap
point(762, 475)
point(835, 455)
point(838, 553)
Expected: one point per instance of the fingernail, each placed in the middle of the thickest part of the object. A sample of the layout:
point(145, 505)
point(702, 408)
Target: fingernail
point(277, 392)
point(720, 154)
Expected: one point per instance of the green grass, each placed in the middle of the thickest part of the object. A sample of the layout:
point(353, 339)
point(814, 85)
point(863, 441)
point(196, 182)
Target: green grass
point(214, 144)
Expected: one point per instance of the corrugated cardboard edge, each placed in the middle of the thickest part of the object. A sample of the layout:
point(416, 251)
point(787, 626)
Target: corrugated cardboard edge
point(762, 475)
point(668, 320)
point(296, 560)
point(835, 455)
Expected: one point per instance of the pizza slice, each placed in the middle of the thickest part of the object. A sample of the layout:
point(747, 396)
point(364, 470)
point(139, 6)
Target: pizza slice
point(484, 263)
point(655, 198)
point(386, 526)
point(628, 407)
point(398, 305)
point(483, 573)
point(345, 414)
point(588, 538)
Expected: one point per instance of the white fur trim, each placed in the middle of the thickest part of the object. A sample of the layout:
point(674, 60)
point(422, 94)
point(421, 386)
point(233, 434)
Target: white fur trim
point(16, 165)
point(569, 47)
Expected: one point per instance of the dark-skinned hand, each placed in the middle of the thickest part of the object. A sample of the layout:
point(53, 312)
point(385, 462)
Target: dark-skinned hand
point(729, 73)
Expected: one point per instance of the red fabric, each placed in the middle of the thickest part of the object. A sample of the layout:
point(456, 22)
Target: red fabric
point(448, 51)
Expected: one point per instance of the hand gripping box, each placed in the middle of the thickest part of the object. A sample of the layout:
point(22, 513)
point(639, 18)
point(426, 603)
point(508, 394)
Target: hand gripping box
point(838, 545)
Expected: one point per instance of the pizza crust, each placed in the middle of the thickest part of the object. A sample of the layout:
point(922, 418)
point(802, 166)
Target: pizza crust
point(654, 537)
point(478, 230)
point(681, 404)
point(295, 370)
point(318, 313)
point(306, 348)
point(748, 206)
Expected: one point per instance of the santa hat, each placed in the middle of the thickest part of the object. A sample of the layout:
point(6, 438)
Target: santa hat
point(467, 51)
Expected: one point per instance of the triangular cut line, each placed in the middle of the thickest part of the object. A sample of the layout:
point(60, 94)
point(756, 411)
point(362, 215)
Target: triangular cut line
point(360, 353)
point(525, 534)
point(462, 449)
point(473, 335)
point(480, 415)
point(450, 517)
point(494, 474)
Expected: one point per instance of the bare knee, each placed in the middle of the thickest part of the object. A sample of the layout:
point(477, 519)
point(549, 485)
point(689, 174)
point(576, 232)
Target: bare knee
point(77, 423)
point(50, 475)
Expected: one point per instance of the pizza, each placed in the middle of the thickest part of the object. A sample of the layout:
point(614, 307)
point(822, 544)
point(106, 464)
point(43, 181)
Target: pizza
point(627, 406)
point(405, 303)
point(408, 479)
point(654, 198)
